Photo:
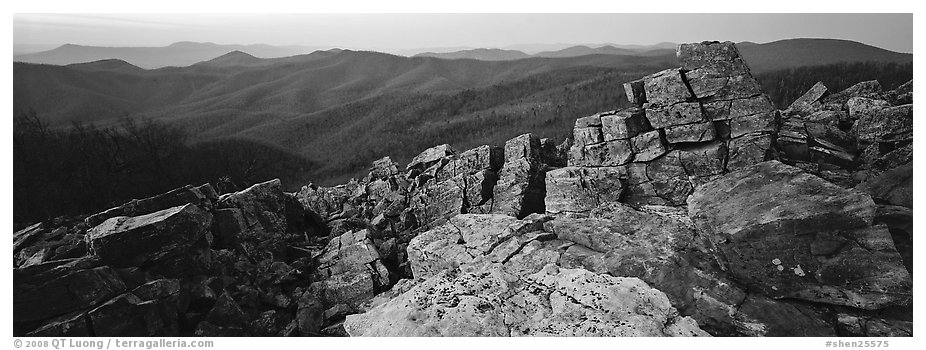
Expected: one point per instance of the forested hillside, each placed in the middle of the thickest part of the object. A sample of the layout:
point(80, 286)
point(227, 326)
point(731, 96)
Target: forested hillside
point(320, 118)
point(785, 86)
point(86, 168)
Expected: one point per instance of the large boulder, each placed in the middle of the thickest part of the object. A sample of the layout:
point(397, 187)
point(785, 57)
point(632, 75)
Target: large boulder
point(552, 301)
point(793, 235)
point(202, 196)
point(263, 210)
point(147, 239)
point(887, 124)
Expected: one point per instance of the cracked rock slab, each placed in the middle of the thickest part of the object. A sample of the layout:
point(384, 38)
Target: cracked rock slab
point(140, 240)
point(574, 189)
point(459, 241)
point(666, 88)
point(553, 302)
point(350, 269)
point(795, 235)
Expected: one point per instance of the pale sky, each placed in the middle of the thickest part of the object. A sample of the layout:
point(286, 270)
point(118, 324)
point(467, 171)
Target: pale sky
point(406, 31)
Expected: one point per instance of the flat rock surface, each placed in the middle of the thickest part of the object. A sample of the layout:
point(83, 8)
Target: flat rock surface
point(794, 235)
point(552, 302)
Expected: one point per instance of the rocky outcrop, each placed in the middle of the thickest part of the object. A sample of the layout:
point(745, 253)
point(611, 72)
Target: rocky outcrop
point(687, 126)
point(172, 271)
point(657, 247)
point(700, 210)
point(848, 136)
point(702, 131)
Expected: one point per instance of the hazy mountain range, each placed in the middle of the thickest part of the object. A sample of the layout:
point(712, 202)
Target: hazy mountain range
point(344, 108)
point(762, 57)
point(178, 54)
point(338, 107)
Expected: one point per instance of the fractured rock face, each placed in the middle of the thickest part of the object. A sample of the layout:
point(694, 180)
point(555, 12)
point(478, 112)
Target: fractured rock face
point(676, 114)
point(697, 132)
point(201, 196)
point(702, 120)
point(330, 203)
point(472, 161)
point(666, 88)
point(350, 269)
point(430, 156)
point(886, 124)
point(624, 124)
point(574, 189)
point(794, 235)
point(141, 240)
point(520, 186)
point(457, 242)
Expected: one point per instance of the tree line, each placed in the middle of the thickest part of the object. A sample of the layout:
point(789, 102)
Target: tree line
point(785, 86)
point(87, 168)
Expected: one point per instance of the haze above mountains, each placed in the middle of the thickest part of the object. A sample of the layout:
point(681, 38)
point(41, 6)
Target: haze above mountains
point(768, 56)
point(344, 108)
point(183, 54)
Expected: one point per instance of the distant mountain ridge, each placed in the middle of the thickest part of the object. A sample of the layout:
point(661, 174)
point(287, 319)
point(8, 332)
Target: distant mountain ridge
point(494, 54)
point(180, 54)
point(762, 57)
point(804, 52)
point(766, 57)
point(231, 59)
point(478, 54)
